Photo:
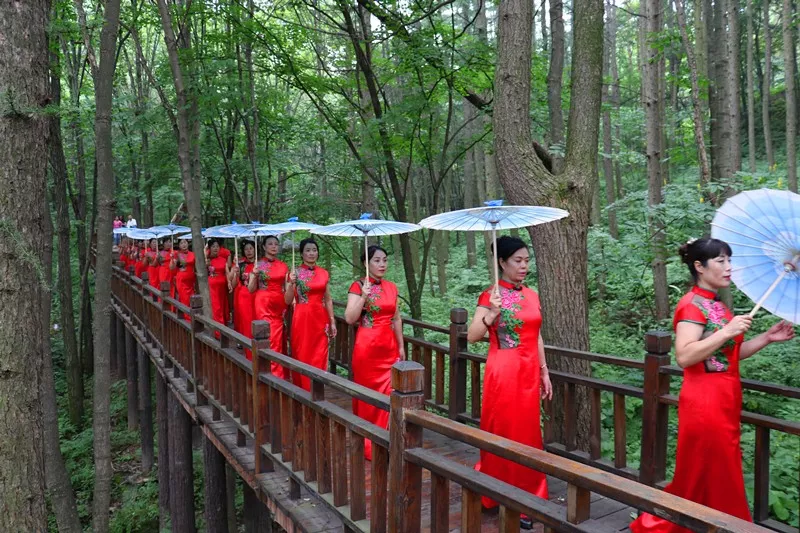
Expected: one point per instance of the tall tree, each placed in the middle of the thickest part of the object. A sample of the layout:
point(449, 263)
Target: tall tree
point(765, 86)
point(24, 92)
point(791, 104)
point(555, 77)
point(610, 56)
point(751, 100)
point(104, 157)
point(527, 180)
point(697, 112)
point(653, 65)
point(58, 167)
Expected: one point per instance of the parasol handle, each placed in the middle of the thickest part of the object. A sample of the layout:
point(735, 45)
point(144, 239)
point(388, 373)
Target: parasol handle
point(366, 255)
point(789, 266)
point(496, 271)
point(293, 245)
point(236, 250)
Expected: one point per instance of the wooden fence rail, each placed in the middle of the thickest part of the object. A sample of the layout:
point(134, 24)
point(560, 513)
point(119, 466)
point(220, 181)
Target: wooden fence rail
point(320, 444)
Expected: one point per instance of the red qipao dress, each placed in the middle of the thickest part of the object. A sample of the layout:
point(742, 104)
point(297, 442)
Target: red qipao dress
point(511, 386)
point(271, 306)
point(185, 277)
point(152, 268)
point(243, 303)
point(164, 272)
point(375, 350)
point(218, 287)
point(139, 263)
point(708, 466)
point(310, 321)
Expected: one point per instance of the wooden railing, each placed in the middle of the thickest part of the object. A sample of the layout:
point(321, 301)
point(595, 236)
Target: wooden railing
point(308, 435)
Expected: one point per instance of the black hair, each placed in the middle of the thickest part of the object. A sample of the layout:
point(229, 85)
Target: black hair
point(702, 250)
point(306, 242)
point(187, 238)
point(268, 237)
point(372, 250)
point(245, 242)
point(212, 241)
point(508, 246)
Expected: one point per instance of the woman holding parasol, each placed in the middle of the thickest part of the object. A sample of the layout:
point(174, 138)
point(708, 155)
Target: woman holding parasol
point(268, 286)
point(239, 279)
point(182, 266)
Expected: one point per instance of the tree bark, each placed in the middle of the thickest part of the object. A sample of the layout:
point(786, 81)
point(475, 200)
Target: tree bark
point(765, 87)
point(214, 488)
point(24, 85)
point(697, 112)
point(653, 64)
point(58, 166)
point(751, 100)
point(104, 84)
point(555, 77)
point(527, 181)
point(610, 56)
point(791, 105)
point(59, 486)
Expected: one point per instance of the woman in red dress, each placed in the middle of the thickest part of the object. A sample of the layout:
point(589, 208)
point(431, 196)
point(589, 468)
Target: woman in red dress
point(312, 319)
point(242, 299)
point(516, 369)
point(218, 282)
point(709, 343)
point(372, 304)
point(182, 266)
point(151, 261)
point(268, 285)
point(163, 260)
point(139, 257)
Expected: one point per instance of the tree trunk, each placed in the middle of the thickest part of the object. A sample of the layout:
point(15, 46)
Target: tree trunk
point(732, 81)
point(104, 84)
point(59, 486)
point(653, 63)
point(610, 56)
point(563, 288)
point(58, 166)
point(189, 182)
point(751, 100)
point(765, 87)
point(555, 78)
point(697, 113)
point(791, 105)
point(469, 178)
point(23, 185)
point(701, 37)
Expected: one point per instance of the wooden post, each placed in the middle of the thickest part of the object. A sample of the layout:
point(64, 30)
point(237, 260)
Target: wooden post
point(458, 365)
point(215, 488)
point(163, 327)
point(655, 415)
point(405, 479)
point(122, 365)
point(257, 518)
point(181, 475)
point(261, 333)
point(196, 303)
point(162, 414)
point(132, 373)
point(761, 474)
point(145, 410)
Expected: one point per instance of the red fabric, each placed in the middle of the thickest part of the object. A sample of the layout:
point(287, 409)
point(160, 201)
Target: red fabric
point(271, 306)
point(185, 278)
point(375, 351)
point(152, 268)
point(708, 465)
point(310, 321)
point(243, 304)
point(511, 386)
point(139, 268)
point(164, 272)
point(218, 287)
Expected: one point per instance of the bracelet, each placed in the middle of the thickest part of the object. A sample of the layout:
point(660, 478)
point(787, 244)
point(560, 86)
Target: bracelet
point(543, 367)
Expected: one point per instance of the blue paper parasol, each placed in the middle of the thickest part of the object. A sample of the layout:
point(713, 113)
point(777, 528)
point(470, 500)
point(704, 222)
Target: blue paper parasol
point(365, 226)
point(241, 231)
point(493, 217)
point(291, 225)
point(147, 234)
point(762, 228)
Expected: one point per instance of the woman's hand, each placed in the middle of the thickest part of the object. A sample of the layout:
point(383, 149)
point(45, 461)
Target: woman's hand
point(292, 278)
point(780, 332)
point(235, 271)
point(332, 328)
point(495, 303)
point(547, 386)
point(365, 287)
point(737, 326)
point(402, 353)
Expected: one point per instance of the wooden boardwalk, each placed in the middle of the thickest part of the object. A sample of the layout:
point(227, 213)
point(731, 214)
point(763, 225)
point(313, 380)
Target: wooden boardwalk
point(308, 514)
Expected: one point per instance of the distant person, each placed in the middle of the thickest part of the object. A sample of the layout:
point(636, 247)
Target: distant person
point(182, 266)
point(312, 321)
point(131, 222)
point(372, 304)
point(218, 272)
point(709, 343)
point(117, 224)
point(516, 376)
point(242, 297)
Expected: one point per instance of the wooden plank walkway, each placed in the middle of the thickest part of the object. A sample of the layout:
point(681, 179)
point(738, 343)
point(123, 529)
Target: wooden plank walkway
point(311, 514)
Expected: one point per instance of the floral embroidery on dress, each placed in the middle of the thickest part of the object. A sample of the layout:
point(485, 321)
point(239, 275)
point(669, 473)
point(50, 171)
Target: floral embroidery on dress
point(509, 326)
point(714, 312)
point(370, 309)
point(264, 268)
point(304, 275)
